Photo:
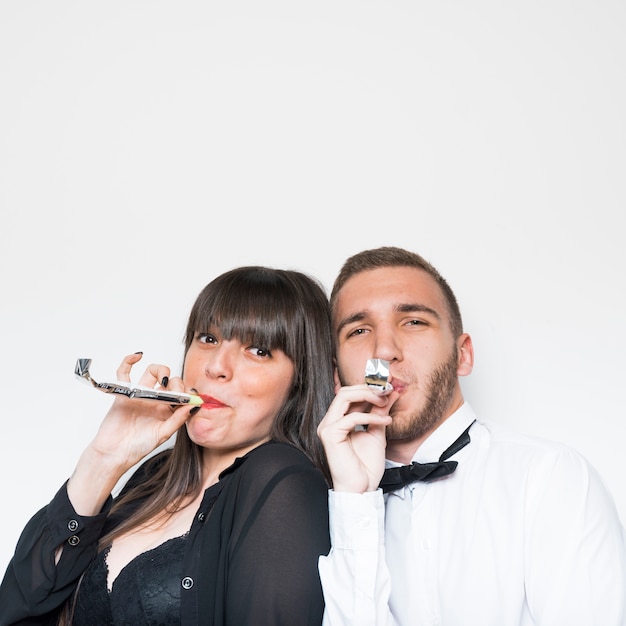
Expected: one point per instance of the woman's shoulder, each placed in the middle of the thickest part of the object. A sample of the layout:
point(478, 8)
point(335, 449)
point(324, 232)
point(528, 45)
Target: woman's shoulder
point(278, 454)
point(279, 469)
point(276, 459)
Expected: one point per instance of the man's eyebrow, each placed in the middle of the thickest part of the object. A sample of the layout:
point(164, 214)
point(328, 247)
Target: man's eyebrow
point(408, 307)
point(355, 317)
point(411, 307)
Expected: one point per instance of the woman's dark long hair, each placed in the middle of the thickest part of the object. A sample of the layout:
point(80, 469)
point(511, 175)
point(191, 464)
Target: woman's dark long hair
point(278, 310)
point(273, 308)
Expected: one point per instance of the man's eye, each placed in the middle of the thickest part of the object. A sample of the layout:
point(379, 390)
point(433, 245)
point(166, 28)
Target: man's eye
point(260, 352)
point(417, 323)
point(357, 331)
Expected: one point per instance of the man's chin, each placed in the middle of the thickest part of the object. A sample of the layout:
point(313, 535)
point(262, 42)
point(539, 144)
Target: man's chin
point(410, 426)
point(399, 428)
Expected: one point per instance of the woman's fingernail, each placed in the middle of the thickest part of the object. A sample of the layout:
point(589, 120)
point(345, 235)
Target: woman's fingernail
point(164, 381)
point(193, 390)
point(139, 352)
point(194, 410)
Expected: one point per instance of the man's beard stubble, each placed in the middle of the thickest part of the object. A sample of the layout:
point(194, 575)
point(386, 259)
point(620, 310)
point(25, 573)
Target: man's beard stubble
point(438, 390)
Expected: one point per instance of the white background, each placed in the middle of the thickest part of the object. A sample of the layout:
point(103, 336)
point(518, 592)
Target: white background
point(148, 145)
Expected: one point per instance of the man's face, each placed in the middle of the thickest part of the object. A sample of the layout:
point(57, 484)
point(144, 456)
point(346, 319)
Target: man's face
point(399, 314)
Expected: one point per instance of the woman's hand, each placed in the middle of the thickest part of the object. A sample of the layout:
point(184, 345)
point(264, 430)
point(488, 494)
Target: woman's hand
point(133, 428)
point(356, 455)
point(130, 431)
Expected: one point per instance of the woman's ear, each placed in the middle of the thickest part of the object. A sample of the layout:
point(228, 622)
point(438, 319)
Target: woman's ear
point(466, 355)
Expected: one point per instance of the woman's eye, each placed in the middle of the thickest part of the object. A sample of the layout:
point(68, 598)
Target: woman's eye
point(206, 338)
point(260, 352)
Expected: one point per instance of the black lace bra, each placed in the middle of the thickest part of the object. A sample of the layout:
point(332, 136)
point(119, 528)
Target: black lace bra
point(146, 591)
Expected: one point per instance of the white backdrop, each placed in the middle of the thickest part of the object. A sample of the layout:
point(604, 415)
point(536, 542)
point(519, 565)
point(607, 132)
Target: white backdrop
point(148, 145)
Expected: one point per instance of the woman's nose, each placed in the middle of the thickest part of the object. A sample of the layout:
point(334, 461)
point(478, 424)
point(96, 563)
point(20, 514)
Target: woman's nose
point(220, 362)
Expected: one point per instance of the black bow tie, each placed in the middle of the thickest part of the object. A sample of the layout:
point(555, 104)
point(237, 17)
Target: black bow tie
point(397, 477)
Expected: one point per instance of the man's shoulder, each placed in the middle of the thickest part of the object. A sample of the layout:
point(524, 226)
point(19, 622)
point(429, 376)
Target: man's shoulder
point(504, 433)
point(522, 449)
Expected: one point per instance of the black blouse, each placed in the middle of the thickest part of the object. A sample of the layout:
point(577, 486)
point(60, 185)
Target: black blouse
point(250, 556)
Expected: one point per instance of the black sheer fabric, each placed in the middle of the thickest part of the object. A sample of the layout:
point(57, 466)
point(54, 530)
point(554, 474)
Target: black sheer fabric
point(268, 565)
point(146, 591)
point(250, 557)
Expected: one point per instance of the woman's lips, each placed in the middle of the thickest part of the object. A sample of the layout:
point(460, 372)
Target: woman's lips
point(209, 402)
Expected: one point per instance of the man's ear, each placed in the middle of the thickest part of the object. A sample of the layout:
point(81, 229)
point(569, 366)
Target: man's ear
point(336, 376)
point(466, 355)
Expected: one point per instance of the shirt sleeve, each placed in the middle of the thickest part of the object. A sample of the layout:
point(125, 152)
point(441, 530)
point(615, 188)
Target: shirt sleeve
point(575, 550)
point(354, 574)
point(34, 584)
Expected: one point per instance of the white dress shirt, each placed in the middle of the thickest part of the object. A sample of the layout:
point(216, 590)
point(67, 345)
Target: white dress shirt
point(523, 533)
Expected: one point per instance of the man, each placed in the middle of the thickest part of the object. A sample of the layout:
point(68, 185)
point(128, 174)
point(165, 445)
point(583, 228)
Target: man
point(521, 532)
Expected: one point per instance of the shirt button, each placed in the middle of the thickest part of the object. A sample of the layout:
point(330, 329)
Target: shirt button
point(72, 525)
point(73, 540)
point(187, 582)
point(201, 517)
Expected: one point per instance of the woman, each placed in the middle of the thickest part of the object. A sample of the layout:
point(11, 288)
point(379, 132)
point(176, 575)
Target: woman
point(226, 527)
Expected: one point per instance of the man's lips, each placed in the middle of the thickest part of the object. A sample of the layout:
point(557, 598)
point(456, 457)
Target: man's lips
point(398, 385)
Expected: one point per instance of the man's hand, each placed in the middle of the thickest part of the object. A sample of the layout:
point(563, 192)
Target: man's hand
point(356, 455)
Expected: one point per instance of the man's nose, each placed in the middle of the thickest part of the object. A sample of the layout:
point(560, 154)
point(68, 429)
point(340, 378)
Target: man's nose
point(387, 345)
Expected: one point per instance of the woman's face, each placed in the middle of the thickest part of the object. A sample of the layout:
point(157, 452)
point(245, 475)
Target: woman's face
point(247, 386)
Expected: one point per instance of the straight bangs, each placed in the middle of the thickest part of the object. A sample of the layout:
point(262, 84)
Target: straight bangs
point(251, 305)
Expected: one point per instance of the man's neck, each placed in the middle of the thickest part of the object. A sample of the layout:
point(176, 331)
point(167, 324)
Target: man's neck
point(403, 450)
